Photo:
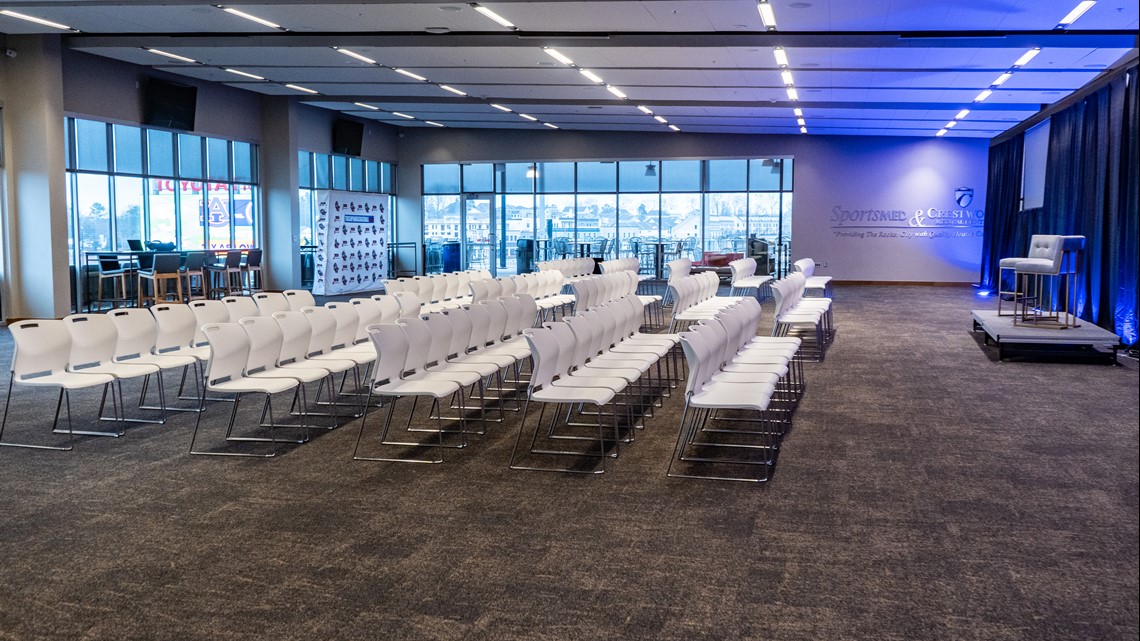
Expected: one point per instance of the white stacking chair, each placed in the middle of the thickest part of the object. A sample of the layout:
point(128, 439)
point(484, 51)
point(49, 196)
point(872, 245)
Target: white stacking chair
point(93, 339)
point(299, 299)
point(410, 304)
point(225, 374)
point(270, 302)
point(389, 381)
point(389, 308)
point(136, 342)
point(240, 307)
point(40, 359)
point(265, 342)
point(816, 285)
point(296, 337)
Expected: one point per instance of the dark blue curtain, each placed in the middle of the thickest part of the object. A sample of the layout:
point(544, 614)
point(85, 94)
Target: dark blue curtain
point(1091, 190)
point(1003, 199)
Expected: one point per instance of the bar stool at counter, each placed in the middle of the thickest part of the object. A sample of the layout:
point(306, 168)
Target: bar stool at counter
point(166, 267)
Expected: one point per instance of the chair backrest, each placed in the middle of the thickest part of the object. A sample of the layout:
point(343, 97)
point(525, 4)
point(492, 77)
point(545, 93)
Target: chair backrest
point(324, 329)
point(440, 333)
point(295, 335)
point(195, 261)
point(233, 259)
point(508, 287)
point(136, 329)
point(269, 302)
point(299, 299)
point(461, 328)
point(391, 353)
point(1047, 247)
point(174, 327)
point(347, 320)
point(229, 351)
point(240, 307)
point(480, 318)
point(109, 263)
point(205, 312)
point(40, 347)
point(368, 312)
point(479, 291)
point(392, 286)
point(253, 258)
point(409, 304)
point(389, 308)
point(93, 338)
point(497, 320)
point(544, 353)
point(418, 335)
point(167, 263)
point(265, 339)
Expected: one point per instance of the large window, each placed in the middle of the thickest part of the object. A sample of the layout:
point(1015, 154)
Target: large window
point(331, 171)
point(131, 183)
point(710, 211)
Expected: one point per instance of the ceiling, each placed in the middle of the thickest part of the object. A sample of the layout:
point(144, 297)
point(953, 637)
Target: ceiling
point(869, 67)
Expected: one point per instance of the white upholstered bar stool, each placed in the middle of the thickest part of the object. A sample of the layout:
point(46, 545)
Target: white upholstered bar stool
point(1031, 297)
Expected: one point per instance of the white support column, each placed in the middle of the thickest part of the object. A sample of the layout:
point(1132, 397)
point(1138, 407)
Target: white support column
point(37, 274)
point(279, 185)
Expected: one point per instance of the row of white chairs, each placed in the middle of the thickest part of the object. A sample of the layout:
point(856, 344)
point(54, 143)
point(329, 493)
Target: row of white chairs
point(544, 287)
point(676, 270)
point(592, 358)
point(744, 278)
point(438, 290)
point(808, 317)
point(571, 268)
point(815, 285)
point(589, 293)
point(440, 356)
point(748, 386)
point(694, 298)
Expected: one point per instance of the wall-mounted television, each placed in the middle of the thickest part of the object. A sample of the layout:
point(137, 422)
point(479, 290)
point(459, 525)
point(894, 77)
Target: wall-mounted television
point(348, 137)
point(170, 104)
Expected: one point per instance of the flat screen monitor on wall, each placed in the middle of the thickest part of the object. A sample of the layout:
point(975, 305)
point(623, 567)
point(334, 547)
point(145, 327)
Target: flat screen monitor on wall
point(348, 137)
point(170, 104)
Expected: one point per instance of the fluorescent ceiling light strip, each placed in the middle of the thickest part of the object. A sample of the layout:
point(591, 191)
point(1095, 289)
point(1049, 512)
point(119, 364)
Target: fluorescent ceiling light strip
point(1027, 56)
point(1000, 80)
point(1077, 12)
point(617, 92)
point(781, 56)
point(982, 96)
point(353, 54)
point(413, 76)
point(793, 94)
point(41, 21)
point(767, 15)
point(361, 104)
point(661, 120)
point(300, 88)
point(242, 73)
point(674, 127)
point(251, 18)
point(645, 110)
point(554, 53)
point(951, 124)
point(941, 132)
point(492, 15)
point(172, 55)
point(396, 113)
point(803, 130)
point(801, 122)
point(547, 124)
point(591, 75)
point(528, 117)
point(786, 76)
point(962, 114)
point(799, 112)
point(433, 123)
point(453, 90)
point(501, 108)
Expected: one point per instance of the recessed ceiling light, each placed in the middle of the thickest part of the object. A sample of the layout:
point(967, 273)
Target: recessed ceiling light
point(302, 89)
point(492, 15)
point(803, 130)
point(547, 124)
point(453, 90)
point(250, 17)
point(413, 76)
point(528, 117)
point(593, 77)
point(661, 120)
point(172, 55)
point(361, 104)
point(353, 54)
point(437, 30)
point(1077, 12)
point(1027, 56)
point(617, 92)
point(247, 75)
point(941, 132)
point(645, 110)
point(801, 122)
point(799, 112)
point(396, 113)
point(781, 56)
point(951, 124)
point(767, 16)
point(1000, 80)
point(982, 96)
point(792, 94)
point(40, 21)
point(786, 76)
point(433, 123)
point(557, 55)
point(501, 108)
point(962, 114)
point(675, 128)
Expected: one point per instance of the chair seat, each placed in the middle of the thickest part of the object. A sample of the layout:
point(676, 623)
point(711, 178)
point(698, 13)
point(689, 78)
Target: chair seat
point(1010, 263)
point(629, 374)
point(734, 396)
point(120, 370)
point(164, 361)
point(303, 374)
point(778, 367)
point(1036, 266)
point(68, 380)
point(595, 395)
point(817, 282)
point(614, 383)
point(262, 385)
point(763, 378)
point(437, 388)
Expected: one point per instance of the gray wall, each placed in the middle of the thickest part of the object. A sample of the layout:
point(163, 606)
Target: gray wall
point(860, 174)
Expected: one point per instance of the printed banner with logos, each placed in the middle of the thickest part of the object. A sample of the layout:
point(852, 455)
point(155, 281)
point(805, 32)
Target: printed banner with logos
point(352, 242)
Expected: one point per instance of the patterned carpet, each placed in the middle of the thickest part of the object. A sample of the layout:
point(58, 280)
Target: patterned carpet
point(925, 492)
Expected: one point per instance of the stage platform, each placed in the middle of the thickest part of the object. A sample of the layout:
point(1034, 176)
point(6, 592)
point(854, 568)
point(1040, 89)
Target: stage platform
point(1087, 339)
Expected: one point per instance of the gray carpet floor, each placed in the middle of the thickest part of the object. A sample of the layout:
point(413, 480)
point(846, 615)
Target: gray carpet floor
point(926, 491)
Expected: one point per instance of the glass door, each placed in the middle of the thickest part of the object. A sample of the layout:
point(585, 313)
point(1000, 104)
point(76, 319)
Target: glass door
point(479, 233)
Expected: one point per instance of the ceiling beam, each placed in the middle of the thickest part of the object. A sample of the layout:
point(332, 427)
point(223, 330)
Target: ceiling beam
point(664, 104)
point(1114, 38)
